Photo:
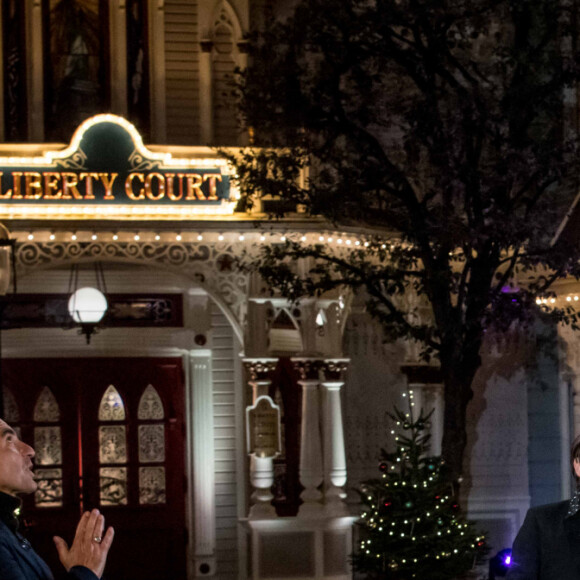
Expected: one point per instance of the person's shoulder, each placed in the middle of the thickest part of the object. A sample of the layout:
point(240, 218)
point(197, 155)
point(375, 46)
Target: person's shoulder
point(549, 510)
point(4, 530)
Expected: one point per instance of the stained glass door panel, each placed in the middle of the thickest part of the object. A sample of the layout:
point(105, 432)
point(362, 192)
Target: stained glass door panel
point(109, 434)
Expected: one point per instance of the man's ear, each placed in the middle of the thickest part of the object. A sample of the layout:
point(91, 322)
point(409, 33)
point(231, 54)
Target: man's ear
point(577, 467)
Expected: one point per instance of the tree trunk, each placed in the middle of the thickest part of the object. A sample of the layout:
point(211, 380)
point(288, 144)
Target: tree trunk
point(458, 374)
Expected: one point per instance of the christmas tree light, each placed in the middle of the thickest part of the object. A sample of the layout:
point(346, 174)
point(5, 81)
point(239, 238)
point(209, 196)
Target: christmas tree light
point(412, 525)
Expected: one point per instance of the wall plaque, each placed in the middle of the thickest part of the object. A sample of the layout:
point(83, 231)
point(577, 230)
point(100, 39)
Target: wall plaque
point(263, 427)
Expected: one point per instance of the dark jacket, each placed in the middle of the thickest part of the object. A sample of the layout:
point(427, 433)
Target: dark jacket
point(547, 546)
point(18, 561)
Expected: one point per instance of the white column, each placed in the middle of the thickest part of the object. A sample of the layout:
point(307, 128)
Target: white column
point(157, 71)
point(118, 56)
point(261, 468)
point(205, 92)
point(334, 449)
point(35, 69)
point(202, 469)
point(311, 467)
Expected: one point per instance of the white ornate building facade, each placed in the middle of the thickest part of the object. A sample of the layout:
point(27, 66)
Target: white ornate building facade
point(219, 428)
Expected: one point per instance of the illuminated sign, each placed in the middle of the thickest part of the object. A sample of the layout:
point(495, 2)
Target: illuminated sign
point(107, 172)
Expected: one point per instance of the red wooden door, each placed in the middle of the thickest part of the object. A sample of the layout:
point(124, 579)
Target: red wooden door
point(108, 433)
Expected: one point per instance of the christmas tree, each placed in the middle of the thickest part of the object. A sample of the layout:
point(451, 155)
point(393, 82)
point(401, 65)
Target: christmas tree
point(412, 525)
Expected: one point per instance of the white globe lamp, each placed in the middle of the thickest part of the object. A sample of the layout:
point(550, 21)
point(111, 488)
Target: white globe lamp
point(87, 306)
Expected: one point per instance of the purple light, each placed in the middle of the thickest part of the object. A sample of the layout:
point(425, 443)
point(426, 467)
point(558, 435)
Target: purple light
point(508, 560)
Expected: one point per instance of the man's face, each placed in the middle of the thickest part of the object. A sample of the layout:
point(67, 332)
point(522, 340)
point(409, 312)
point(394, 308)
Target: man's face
point(15, 463)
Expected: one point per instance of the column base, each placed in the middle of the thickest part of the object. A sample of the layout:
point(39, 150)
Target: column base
point(204, 566)
point(262, 511)
point(287, 548)
point(334, 502)
point(310, 509)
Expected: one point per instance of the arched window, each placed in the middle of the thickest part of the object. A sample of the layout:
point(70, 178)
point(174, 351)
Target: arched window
point(75, 63)
point(113, 457)
point(84, 57)
point(11, 410)
point(151, 448)
point(48, 448)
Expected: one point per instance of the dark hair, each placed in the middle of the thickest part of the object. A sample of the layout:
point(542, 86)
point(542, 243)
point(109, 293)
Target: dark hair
point(575, 455)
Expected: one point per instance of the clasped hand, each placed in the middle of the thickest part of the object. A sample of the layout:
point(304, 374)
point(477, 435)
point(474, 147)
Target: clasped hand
point(89, 547)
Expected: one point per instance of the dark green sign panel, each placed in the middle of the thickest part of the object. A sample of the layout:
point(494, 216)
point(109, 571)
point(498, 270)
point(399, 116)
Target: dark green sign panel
point(107, 164)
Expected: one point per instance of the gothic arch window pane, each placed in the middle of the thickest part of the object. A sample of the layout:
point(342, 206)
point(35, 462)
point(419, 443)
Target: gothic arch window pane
point(46, 409)
point(152, 443)
point(49, 490)
point(47, 445)
point(112, 407)
point(11, 411)
point(113, 485)
point(112, 444)
point(151, 485)
point(151, 433)
point(113, 453)
point(75, 64)
point(150, 405)
point(48, 448)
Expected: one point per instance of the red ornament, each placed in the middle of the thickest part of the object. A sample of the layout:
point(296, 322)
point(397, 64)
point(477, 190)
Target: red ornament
point(383, 466)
